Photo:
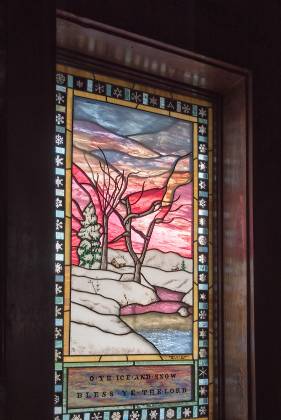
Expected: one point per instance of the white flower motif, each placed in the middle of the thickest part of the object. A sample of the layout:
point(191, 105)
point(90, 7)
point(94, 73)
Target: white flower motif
point(59, 182)
point(58, 203)
point(58, 289)
point(202, 166)
point(202, 184)
point(96, 416)
point(59, 160)
point(202, 129)
point(117, 92)
point(203, 391)
point(202, 221)
point(202, 258)
point(202, 314)
point(202, 333)
point(202, 112)
point(60, 98)
point(202, 148)
point(59, 119)
point(153, 414)
point(187, 412)
point(60, 78)
point(57, 333)
point(79, 83)
point(136, 97)
point(203, 203)
point(58, 246)
point(203, 371)
point(59, 139)
point(58, 311)
point(59, 224)
point(58, 355)
point(202, 240)
point(57, 377)
point(134, 415)
point(202, 277)
point(57, 399)
point(76, 417)
point(58, 268)
point(170, 413)
point(203, 296)
point(99, 88)
point(116, 415)
point(153, 101)
point(202, 411)
point(186, 108)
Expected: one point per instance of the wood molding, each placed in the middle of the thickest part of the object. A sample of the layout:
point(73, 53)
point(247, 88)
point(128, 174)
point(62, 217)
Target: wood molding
point(87, 43)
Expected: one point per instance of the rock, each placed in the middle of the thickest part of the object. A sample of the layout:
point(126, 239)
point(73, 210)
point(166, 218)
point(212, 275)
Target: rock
point(96, 302)
point(86, 340)
point(118, 261)
point(130, 276)
point(107, 323)
point(180, 281)
point(124, 293)
point(188, 298)
point(94, 274)
point(183, 311)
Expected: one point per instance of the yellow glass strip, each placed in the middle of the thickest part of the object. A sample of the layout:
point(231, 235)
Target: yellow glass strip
point(66, 311)
point(113, 80)
point(68, 192)
point(144, 357)
point(74, 71)
point(211, 303)
point(66, 332)
point(195, 163)
point(177, 357)
point(68, 157)
point(69, 109)
point(67, 247)
point(121, 102)
point(195, 340)
point(183, 116)
point(151, 109)
point(90, 95)
point(67, 288)
point(71, 359)
point(117, 358)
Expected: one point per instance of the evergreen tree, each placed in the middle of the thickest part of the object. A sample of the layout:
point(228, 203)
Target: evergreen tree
point(183, 267)
point(89, 250)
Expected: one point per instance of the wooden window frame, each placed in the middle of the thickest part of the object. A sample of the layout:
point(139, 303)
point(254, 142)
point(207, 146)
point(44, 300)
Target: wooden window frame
point(86, 43)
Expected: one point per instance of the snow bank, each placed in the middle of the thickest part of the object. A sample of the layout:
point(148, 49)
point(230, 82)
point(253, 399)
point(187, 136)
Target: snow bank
point(188, 298)
point(180, 281)
point(87, 340)
point(94, 274)
point(96, 303)
point(107, 323)
point(125, 293)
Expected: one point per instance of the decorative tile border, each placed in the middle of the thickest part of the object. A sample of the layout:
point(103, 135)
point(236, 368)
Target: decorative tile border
point(170, 105)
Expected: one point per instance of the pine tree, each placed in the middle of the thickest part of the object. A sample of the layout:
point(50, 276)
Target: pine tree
point(89, 250)
point(183, 268)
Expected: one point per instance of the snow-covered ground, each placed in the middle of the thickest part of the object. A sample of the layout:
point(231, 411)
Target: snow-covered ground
point(98, 297)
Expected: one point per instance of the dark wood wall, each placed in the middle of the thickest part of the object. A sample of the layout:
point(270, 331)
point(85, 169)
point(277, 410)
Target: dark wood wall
point(239, 32)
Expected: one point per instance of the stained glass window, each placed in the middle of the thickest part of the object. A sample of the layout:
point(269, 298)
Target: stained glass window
point(133, 269)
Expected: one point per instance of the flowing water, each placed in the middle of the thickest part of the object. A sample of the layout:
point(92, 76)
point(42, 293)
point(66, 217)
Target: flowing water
point(169, 341)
